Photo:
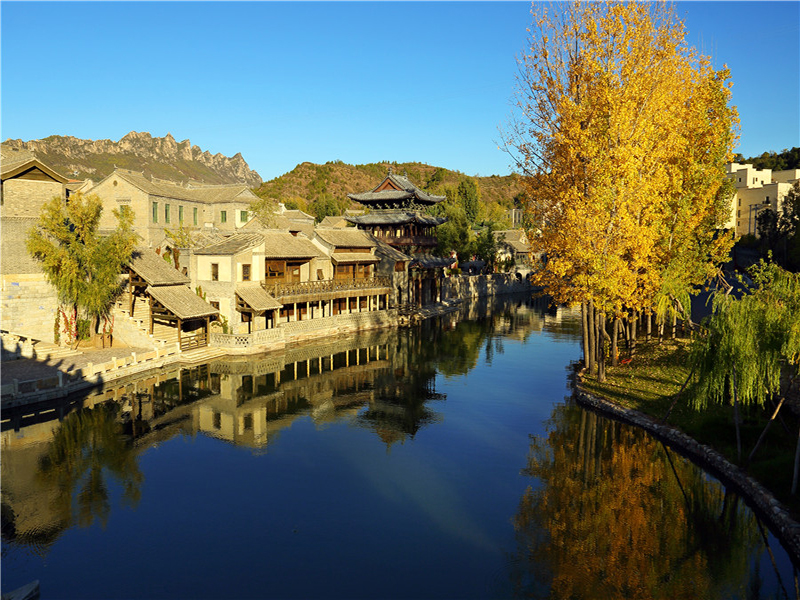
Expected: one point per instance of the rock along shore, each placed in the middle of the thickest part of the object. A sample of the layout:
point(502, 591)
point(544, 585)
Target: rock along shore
point(778, 519)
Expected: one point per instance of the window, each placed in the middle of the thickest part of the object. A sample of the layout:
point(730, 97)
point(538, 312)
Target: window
point(223, 216)
point(243, 216)
point(166, 213)
point(180, 214)
point(155, 212)
point(275, 269)
point(194, 215)
point(245, 272)
point(214, 271)
point(214, 304)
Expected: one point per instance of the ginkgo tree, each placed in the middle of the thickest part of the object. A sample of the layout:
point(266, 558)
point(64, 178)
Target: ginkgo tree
point(622, 131)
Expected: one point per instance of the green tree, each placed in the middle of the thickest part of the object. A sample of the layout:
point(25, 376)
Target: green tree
point(265, 210)
point(81, 265)
point(469, 197)
point(455, 234)
point(325, 206)
point(486, 246)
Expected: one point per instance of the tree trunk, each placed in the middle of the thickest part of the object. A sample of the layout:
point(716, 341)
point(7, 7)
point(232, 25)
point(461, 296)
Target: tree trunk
point(796, 464)
point(763, 433)
point(614, 342)
point(674, 325)
point(632, 334)
point(736, 418)
point(74, 327)
point(601, 355)
point(585, 332)
point(649, 326)
point(592, 336)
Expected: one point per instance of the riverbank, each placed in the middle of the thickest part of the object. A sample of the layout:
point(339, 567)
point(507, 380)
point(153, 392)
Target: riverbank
point(640, 393)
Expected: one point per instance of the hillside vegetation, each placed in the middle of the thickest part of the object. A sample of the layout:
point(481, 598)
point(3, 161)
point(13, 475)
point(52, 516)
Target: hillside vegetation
point(312, 187)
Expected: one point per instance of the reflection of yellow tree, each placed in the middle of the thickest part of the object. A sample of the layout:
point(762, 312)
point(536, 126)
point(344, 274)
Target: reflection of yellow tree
point(88, 445)
point(618, 516)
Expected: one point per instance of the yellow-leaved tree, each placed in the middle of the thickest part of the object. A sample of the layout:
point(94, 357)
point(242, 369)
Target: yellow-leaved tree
point(622, 131)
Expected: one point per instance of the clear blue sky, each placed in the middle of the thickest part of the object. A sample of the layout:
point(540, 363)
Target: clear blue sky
point(362, 82)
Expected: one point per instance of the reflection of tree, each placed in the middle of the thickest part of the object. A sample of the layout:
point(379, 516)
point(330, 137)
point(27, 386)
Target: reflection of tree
point(617, 515)
point(86, 448)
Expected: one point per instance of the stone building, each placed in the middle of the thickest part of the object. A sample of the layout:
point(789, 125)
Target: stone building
point(159, 204)
point(756, 190)
point(29, 302)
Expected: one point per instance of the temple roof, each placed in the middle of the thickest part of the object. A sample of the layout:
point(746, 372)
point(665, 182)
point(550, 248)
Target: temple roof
point(393, 190)
point(394, 217)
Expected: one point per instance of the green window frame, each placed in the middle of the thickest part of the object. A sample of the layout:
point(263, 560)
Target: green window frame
point(243, 216)
point(166, 213)
point(155, 212)
point(194, 215)
point(223, 216)
point(180, 214)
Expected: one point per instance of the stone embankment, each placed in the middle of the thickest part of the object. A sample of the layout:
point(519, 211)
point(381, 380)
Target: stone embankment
point(778, 519)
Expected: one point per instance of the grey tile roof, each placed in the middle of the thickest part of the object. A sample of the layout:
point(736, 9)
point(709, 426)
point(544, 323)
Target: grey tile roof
point(282, 244)
point(256, 298)
point(154, 269)
point(344, 258)
point(238, 242)
point(346, 238)
point(333, 222)
point(392, 217)
point(212, 194)
point(405, 191)
point(14, 256)
point(181, 301)
point(13, 162)
point(389, 252)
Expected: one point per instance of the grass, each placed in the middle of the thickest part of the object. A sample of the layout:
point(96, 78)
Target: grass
point(649, 383)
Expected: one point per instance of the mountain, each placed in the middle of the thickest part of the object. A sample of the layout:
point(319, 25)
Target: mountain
point(160, 157)
point(309, 182)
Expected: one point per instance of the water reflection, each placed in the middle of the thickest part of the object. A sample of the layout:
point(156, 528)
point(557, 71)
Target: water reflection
point(613, 513)
point(56, 473)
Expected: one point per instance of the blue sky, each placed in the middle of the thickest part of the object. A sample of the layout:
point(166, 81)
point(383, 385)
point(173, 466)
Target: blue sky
point(361, 82)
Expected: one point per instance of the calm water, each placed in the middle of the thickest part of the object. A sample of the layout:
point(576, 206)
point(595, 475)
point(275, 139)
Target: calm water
point(438, 462)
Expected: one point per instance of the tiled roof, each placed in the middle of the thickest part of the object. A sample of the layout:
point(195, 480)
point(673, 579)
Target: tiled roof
point(13, 162)
point(211, 194)
point(334, 222)
point(181, 301)
point(406, 191)
point(346, 238)
point(391, 217)
point(343, 258)
point(154, 269)
point(238, 242)
point(389, 252)
point(294, 214)
point(282, 244)
point(256, 298)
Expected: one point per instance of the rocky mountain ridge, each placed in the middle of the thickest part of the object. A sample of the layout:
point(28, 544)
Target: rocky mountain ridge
point(162, 157)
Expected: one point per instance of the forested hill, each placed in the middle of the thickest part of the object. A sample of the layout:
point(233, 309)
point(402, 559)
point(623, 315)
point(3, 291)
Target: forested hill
point(164, 158)
point(777, 161)
point(310, 185)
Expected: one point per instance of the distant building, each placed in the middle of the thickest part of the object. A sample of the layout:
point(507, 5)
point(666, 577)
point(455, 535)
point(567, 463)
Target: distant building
point(513, 244)
point(756, 190)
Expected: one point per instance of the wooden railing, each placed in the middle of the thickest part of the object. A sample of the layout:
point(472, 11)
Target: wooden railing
point(197, 340)
point(280, 290)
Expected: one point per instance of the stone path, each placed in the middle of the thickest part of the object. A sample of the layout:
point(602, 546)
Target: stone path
point(24, 369)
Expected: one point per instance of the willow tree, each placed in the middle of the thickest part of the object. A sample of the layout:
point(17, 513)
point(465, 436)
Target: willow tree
point(751, 351)
point(616, 126)
point(83, 266)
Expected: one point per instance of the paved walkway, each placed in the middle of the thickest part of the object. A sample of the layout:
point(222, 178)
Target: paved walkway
point(24, 369)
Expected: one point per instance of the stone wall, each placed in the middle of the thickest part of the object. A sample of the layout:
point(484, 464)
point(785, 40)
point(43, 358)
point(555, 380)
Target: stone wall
point(28, 306)
point(464, 287)
point(25, 197)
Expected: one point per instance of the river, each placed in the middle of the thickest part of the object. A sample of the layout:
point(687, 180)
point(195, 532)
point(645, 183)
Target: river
point(441, 461)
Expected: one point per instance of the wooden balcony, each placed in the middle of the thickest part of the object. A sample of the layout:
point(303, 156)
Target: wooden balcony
point(327, 289)
point(407, 240)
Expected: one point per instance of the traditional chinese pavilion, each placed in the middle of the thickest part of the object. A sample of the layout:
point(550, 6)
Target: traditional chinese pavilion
point(396, 215)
